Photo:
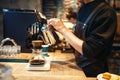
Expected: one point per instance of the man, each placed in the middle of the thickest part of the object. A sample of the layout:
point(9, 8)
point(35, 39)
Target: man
point(92, 41)
point(72, 17)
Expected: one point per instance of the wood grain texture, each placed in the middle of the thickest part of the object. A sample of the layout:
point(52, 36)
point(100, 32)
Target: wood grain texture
point(63, 67)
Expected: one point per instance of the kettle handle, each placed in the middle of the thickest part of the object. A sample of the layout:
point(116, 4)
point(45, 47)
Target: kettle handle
point(8, 39)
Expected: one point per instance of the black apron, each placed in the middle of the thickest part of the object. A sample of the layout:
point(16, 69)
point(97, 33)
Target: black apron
point(90, 66)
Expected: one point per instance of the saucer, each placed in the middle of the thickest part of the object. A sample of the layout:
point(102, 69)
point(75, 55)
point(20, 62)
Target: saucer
point(46, 66)
point(100, 77)
point(113, 77)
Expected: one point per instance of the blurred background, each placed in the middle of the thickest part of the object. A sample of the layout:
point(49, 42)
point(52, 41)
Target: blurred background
point(50, 9)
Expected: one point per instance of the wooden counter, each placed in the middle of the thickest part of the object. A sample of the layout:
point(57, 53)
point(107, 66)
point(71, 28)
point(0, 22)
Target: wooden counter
point(63, 67)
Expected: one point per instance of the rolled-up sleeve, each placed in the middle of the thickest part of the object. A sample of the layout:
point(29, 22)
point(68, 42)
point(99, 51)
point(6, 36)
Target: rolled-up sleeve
point(100, 35)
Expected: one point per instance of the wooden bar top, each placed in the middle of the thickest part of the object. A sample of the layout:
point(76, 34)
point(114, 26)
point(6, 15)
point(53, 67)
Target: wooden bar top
point(62, 67)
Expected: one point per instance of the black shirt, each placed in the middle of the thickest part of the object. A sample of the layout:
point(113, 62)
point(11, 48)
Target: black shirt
point(98, 36)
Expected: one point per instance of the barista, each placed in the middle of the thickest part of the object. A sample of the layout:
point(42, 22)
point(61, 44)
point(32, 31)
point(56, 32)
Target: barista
point(92, 41)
